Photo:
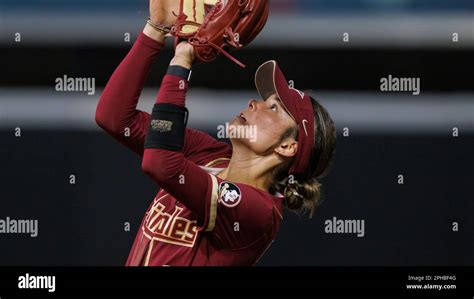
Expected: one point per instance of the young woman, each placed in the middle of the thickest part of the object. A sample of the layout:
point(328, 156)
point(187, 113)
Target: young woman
point(219, 204)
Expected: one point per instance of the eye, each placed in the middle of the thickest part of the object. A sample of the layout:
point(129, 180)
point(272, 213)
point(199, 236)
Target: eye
point(274, 107)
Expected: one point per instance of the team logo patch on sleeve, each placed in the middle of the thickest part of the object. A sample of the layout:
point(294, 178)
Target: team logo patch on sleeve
point(229, 194)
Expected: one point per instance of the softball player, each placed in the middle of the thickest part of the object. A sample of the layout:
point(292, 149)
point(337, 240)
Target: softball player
point(219, 204)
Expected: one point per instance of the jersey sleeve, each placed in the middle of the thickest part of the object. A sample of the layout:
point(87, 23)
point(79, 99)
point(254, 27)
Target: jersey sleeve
point(116, 111)
point(187, 182)
point(201, 148)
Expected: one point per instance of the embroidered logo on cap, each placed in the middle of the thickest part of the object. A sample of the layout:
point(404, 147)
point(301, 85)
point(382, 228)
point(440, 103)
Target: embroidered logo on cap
point(299, 92)
point(229, 194)
point(304, 122)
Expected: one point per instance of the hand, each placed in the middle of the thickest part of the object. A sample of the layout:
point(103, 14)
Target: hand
point(184, 55)
point(161, 11)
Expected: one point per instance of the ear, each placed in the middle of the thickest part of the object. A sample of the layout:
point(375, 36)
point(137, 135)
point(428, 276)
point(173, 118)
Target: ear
point(287, 148)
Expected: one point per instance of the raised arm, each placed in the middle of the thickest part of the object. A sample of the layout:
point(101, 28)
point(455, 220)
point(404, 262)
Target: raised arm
point(163, 159)
point(116, 112)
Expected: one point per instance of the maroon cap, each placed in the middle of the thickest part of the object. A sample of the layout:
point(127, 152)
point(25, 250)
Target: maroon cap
point(269, 80)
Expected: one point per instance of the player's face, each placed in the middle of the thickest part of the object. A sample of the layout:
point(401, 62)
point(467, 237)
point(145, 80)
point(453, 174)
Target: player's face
point(268, 119)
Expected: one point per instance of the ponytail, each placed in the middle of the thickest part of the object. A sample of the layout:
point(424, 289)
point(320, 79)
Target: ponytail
point(301, 196)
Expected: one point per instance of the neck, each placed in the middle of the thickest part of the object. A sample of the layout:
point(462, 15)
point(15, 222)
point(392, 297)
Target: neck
point(249, 168)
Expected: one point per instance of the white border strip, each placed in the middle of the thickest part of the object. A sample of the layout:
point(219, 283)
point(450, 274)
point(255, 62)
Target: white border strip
point(361, 112)
point(287, 31)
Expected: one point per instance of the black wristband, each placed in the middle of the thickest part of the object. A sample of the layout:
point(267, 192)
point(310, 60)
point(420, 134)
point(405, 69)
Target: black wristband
point(167, 127)
point(179, 71)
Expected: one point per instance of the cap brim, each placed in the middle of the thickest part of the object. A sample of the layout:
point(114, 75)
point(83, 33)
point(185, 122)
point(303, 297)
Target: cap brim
point(269, 80)
point(264, 79)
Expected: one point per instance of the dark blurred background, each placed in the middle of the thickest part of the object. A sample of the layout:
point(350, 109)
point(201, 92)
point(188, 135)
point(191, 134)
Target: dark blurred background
point(390, 134)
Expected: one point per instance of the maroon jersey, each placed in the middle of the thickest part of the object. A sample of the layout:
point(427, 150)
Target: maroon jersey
point(238, 224)
point(196, 218)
